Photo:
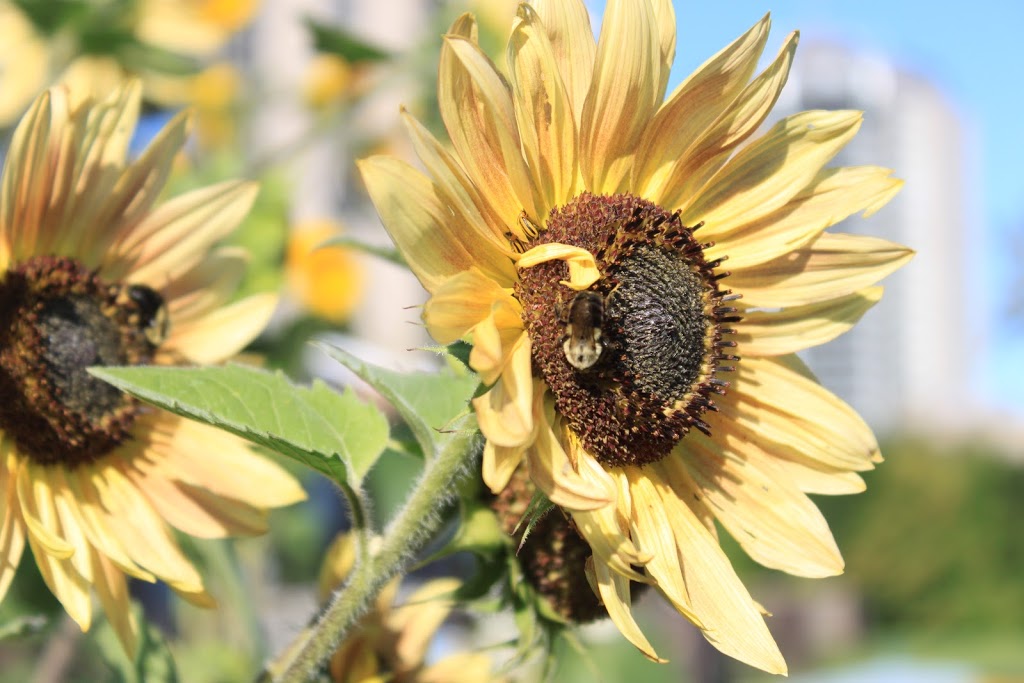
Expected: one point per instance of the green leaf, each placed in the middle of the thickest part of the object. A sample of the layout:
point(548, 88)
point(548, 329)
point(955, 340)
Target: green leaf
point(25, 625)
point(429, 402)
point(153, 661)
point(327, 38)
point(335, 434)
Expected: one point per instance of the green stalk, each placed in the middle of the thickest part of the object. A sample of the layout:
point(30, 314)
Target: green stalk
point(414, 524)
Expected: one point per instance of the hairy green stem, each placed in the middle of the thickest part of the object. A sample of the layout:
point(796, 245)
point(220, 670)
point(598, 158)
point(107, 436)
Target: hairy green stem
point(418, 519)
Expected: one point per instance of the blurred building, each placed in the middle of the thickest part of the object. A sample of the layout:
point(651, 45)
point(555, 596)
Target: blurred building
point(908, 363)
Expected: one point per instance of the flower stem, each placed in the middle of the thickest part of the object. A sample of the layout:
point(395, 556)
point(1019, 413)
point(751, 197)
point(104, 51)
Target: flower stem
point(406, 534)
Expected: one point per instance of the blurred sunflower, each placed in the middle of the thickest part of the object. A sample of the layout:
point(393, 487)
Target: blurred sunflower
point(166, 43)
point(95, 272)
point(390, 641)
point(577, 234)
point(326, 279)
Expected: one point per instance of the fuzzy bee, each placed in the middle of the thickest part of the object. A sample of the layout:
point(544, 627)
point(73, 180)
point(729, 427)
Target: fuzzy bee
point(154, 320)
point(584, 319)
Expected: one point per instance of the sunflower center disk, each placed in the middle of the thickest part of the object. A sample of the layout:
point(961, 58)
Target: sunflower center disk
point(632, 361)
point(56, 320)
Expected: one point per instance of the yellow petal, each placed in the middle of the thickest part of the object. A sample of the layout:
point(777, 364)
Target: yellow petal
point(831, 197)
point(476, 106)
point(224, 464)
point(543, 111)
point(572, 45)
point(416, 622)
point(694, 105)
point(498, 464)
point(112, 590)
point(66, 584)
point(179, 233)
point(467, 299)
point(222, 333)
point(135, 191)
point(623, 96)
point(12, 534)
point(435, 243)
point(773, 521)
point(24, 173)
point(457, 188)
point(653, 534)
point(198, 512)
point(831, 266)
point(38, 512)
point(505, 413)
point(89, 510)
point(586, 487)
point(210, 285)
point(665, 22)
point(683, 182)
point(71, 528)
point(607, 533)
point(98, 153)
point(614, 591)
point(770, 171)
point(775, 333)
point(730, 617)
point(129, 517)
point(494, 338)
point(811, 477)
point(583, 270)
point(777, 408)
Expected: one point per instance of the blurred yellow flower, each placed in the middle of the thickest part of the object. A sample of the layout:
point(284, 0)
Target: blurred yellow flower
point(326, 279)
point(329, 80)
point(390, 641)
point(95, 271)
point(192, 27)
point(577, 237)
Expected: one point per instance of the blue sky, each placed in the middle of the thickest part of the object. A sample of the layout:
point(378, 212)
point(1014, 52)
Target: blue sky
point(974, 53)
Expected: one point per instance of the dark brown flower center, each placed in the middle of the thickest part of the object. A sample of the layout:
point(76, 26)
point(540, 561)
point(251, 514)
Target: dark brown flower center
point(631, 361)
point(553, 557)
point(56, 320)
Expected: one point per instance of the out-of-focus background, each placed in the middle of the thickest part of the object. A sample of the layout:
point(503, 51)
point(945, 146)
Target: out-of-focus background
point(292, 91)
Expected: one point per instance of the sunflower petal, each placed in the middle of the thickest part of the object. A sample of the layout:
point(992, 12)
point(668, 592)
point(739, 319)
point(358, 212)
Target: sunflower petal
point(112, 590)
point(462, 302)
point(36, 503)
point(498, 464)
point(179, 233)
point(587, 488)
point(777, 408)
point(221, 333)
point(423, 227)
point(583, 270)
point(505, 413)
point(831, 197)
point(776, 333)
point(696, 102)
point(686, 181)
point(731, 619)
point(458, 190)
point(572, 46)
point(607, 533)
point(12, 534)
point(623, 96)
point(773, 521)
point(653, 534)
point(543, 111)
point(770, 171)
point(614, 592)
point(831, 266)
point(477, 109)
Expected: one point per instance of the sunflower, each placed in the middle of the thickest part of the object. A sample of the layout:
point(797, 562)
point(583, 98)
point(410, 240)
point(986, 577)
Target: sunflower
point(577, 235)
point(390, 641)
point(96, 272)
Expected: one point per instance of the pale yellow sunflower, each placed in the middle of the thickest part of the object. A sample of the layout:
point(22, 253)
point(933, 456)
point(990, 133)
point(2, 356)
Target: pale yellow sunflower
point(390, 642)
point(577, 235)
point(96, 272)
